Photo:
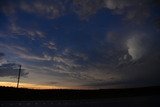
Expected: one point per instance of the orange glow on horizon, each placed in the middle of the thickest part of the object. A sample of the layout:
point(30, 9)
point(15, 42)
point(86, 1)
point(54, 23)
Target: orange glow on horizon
point(31, 86)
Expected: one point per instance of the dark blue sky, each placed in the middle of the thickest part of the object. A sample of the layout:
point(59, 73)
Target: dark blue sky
point(80, 43)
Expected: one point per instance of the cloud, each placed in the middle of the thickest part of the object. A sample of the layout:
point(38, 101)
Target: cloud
point(31, 33)
point(66, 63)
point(132, 63)
point(117, 4)
point(2, 59)
point(128, 45)
point(142, 72)
point(9, 69)
point(1, 55)
point(50, 45)
point(135, 48)
point(99, 73)
point(116, 61)
point(13, 48)
point(14, 29)
point(50, 9)
point(34, 57)
point(145, 70)
point(137, 10)
point(86, 8)
point(116, 39)
point(8, 8)
point(62, 63)
point(51, 83)
point(82, 69)
point(24, 53)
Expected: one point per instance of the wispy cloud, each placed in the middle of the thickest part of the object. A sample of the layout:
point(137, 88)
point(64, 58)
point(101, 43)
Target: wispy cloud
point(31, 33)
point(34, 57)
point(50, 45)
point(24, 53)
point(120, 58)
point(117, 4)
point(132, 10)
point(86, 8)
point(67, 62)
point(49, 9)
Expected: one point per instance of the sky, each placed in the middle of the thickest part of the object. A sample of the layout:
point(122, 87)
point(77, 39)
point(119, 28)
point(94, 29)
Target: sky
point(80, 44)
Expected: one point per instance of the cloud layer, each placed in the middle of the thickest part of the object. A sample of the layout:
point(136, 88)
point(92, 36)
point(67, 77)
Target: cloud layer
point(8, 69)
point(92, 43)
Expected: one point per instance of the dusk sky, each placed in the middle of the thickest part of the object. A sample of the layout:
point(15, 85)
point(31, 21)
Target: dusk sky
point(80, 44)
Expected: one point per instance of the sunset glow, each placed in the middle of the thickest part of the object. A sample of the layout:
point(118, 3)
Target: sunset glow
point(30, 86)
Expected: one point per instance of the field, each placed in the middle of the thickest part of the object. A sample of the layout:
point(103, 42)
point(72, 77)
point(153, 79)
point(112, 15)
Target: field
point(133, 97)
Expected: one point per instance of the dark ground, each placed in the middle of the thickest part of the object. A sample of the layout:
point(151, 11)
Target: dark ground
point(147, 101)
point(134, 97)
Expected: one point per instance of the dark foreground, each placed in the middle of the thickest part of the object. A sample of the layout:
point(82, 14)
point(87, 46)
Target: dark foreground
point(134, 97)
point(145, 101)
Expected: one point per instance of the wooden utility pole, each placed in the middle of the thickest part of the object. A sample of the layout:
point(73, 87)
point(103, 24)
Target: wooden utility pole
point(19, 74)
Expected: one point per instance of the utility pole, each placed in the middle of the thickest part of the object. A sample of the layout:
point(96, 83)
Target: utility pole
point(19, 74)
